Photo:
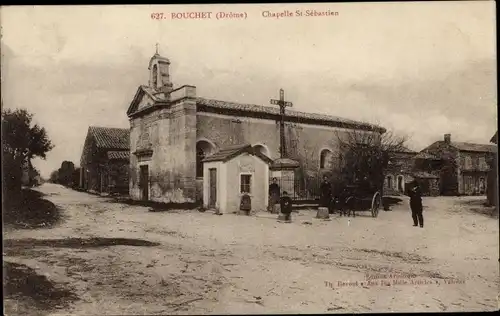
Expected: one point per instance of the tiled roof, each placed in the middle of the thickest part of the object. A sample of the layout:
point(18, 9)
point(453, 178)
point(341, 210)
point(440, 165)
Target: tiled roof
point(110, 137)
point(122, 154)
point(259, 109)
point(229, 152)
point(225, 105)
point(473, 147)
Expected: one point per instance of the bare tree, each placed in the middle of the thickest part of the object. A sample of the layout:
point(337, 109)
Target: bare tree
point(365, 156)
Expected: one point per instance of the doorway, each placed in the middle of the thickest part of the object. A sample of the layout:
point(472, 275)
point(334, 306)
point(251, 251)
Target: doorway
point(212, 193)
point(401, 185)
point(144, 182)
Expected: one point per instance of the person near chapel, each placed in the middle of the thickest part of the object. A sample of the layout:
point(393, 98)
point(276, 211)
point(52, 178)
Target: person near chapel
point(274, 195)
point(415, 194)
point(326, 192)
point(286, 206)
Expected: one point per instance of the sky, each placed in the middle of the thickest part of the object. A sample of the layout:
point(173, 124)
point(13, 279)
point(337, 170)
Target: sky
point(418, 69)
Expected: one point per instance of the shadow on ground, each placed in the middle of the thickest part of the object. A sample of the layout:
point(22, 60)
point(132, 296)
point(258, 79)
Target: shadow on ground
point(28, 209)
point(388, 201)
point(12, 244)
point(22, 283)
point(155, 206)
point(480, 206)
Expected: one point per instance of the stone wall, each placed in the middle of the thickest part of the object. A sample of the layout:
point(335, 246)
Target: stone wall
point(118, 171)
point(259, 186)
point(450, 171)
point(304, 142)
point(401, 165)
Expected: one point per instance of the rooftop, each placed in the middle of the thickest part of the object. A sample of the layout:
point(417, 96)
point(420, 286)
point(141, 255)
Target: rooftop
point(473, 147)
point(118, 155)
point(229, 152)
point(251, 110)
point(290, 114)
point(110, 137)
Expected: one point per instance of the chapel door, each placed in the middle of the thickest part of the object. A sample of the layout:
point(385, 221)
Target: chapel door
point(144, 182)
point(212, 193)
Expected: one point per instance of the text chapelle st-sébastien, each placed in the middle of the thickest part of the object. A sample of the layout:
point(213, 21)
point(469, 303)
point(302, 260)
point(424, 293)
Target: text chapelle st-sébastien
point(265, 14)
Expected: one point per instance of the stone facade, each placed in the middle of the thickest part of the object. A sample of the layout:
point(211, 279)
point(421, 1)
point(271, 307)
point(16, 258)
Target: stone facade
point(172, 131)
point(305, 143)
point(164, 141)
point(399, 172)
point(464, 169)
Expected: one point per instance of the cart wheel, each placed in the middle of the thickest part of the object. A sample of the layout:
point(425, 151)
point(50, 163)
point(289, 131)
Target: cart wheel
point(376, 202)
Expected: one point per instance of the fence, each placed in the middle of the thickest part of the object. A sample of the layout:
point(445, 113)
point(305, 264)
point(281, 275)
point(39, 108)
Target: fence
point(300, 190)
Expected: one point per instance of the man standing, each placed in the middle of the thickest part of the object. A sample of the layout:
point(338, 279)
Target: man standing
point(416, 205)
point(274, 195)
point(286, 206)
point(326, 193)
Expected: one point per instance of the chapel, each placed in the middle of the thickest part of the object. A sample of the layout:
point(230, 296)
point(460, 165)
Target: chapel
point(173, 130)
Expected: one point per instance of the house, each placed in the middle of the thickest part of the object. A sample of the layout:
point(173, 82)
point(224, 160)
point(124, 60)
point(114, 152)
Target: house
point(426, 171)
point(464, 168)
point(104, 163)
point(399, 171)
point(172, 131)
point(232, 172)
point(492, 190)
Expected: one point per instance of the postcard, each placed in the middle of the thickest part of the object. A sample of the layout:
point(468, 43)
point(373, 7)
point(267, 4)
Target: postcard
point(250, 158)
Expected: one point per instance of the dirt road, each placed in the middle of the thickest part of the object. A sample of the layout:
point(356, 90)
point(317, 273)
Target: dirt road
point(114, 258)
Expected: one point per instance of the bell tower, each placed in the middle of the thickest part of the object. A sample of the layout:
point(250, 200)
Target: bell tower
point(159, 74)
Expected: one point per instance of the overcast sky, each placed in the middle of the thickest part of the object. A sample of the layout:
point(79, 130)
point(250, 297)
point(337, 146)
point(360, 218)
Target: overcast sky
point(420, 69)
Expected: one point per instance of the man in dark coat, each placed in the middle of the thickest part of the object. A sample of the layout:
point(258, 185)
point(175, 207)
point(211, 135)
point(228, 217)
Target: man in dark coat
point(415, 195)
point(326, 192)
point(274, 195)
point(286, 206)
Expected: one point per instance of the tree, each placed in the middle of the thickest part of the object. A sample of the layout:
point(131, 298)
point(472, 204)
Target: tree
point(366, 155)
point(66, 173)
point(54, 176)
point(21, 142)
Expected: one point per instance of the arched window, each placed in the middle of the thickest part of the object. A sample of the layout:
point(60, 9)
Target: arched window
point(155, 76)
point(325, 159)
point(401, 183)
point(389, 181)
point(203, 149)
point(262, 149)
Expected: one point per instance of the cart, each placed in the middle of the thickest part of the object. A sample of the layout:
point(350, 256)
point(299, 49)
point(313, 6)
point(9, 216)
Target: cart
point(355, 198)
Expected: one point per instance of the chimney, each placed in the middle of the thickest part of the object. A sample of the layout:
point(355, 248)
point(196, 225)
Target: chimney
point(447, 138)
